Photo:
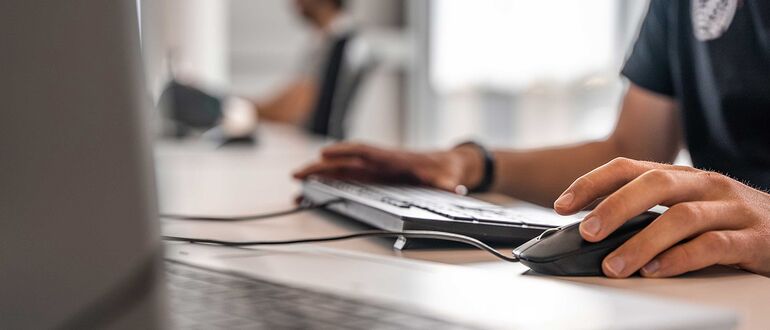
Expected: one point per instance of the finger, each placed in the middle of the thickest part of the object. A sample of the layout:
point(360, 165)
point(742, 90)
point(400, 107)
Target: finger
point(604, 180)
point(710, 248)
point(600, 182)
point(326, 166)
point(680, 222)
point(444, 183)
point(353, 175)
point(664, 187)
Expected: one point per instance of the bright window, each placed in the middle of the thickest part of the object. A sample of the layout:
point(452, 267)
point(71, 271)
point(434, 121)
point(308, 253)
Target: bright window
point(527, 73)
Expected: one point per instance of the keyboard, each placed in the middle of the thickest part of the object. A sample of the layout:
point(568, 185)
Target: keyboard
point(206, 299)
point(452, 206)
point(400, 207)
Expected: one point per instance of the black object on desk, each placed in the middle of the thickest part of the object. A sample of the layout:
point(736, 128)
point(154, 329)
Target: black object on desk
point(562, 251)
point(189, 108)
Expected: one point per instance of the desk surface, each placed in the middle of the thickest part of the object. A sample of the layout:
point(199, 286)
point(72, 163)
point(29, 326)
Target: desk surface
point(200, 179)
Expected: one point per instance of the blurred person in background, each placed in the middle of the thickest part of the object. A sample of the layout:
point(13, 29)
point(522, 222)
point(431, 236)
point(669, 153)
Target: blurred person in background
point(305, 101)
point(294, 103)
point(699, 77)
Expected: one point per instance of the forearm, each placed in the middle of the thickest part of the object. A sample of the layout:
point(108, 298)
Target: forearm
point(277, 112)
point(539, 176)
point(292, 105)
point(647, 129)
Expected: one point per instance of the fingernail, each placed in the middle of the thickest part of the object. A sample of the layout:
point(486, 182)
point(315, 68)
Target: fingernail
point(615, 265)
point(564, 200)
point(591, 225)
point(651, 267)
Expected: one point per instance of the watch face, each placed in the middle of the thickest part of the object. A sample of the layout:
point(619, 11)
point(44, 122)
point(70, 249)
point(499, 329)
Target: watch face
point(711, 18)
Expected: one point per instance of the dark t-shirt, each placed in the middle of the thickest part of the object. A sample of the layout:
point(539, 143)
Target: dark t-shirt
point(722, 85)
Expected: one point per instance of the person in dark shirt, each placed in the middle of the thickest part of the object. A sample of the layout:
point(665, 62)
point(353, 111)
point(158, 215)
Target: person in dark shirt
point(699, 76)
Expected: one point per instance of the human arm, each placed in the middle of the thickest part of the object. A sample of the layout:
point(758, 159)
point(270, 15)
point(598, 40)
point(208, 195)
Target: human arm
point(647, 129)
point(293, 104)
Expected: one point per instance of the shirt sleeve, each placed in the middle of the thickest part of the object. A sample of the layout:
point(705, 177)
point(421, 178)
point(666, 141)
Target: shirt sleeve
point(649, 65)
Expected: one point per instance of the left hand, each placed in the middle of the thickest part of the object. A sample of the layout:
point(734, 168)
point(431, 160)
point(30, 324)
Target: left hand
point(712, 219)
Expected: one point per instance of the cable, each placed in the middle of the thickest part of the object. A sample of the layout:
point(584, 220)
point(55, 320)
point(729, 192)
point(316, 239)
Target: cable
point(370, 233)
point(298, 209)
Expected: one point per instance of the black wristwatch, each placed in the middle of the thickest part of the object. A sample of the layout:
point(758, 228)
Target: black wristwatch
point(488, 177)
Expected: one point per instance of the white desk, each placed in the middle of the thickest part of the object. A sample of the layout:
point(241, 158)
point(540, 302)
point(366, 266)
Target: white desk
point(196, 178)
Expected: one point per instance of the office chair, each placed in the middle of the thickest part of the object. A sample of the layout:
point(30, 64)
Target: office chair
point(339, 85)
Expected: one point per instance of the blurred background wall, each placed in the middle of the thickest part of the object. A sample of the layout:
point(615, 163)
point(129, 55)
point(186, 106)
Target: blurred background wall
point(268, 39)
point(506, 72)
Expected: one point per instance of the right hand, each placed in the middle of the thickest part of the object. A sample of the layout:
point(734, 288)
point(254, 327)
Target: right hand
point(444, 170)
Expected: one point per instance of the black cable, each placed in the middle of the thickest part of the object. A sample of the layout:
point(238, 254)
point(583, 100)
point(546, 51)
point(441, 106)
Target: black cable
point(370, 233)
point(297, 209)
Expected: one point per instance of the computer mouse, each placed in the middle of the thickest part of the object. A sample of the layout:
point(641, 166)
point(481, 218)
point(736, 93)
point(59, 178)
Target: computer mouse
point(562, 251)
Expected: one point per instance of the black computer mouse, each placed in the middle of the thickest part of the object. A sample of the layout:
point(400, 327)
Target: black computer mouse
point(562, 251)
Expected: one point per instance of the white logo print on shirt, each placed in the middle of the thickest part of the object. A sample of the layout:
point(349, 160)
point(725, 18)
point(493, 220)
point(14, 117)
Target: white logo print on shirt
point(711, 18)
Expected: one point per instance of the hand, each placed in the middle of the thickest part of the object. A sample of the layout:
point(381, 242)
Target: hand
point(444, 170)
point(712, 219)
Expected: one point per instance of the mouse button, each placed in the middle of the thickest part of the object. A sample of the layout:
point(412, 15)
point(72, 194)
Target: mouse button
point(520, 251)
point(548, 232)
point(552, 247)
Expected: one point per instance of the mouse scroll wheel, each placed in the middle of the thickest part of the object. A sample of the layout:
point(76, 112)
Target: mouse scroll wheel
point(548, 232)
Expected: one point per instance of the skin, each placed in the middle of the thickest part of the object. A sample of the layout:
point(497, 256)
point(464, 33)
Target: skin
point(718, 219)
point(538, 176)
point(712, 219)
point(294, 103)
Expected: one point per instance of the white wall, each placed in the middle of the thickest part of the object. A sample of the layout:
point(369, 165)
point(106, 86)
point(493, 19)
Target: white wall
point(527, 74)
point(266, 41)
point(196, 36)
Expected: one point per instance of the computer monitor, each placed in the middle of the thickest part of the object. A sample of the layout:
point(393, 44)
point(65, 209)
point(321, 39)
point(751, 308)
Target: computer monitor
point(78, 217)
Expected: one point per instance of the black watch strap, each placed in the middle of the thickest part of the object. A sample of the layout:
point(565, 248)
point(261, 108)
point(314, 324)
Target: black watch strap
point(488, 177)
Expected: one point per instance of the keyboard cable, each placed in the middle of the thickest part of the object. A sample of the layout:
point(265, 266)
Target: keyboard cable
point(301, 208)
point(426, 234)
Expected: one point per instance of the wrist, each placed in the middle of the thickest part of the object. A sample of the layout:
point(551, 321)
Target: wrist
point(486, 165)
point(471, 161)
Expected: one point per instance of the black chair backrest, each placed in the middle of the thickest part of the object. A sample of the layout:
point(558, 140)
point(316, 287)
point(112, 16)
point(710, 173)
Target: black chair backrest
point(337, 89)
